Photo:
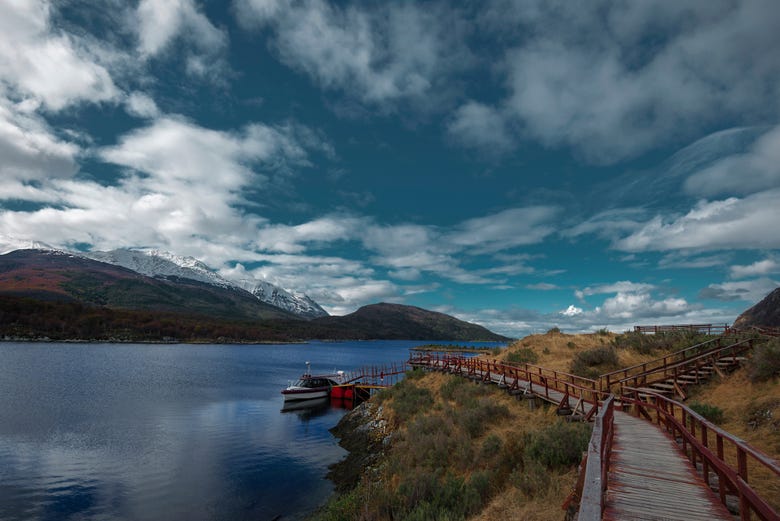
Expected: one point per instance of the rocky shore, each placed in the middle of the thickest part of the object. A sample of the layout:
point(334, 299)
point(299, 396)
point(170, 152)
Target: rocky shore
point(365, 434)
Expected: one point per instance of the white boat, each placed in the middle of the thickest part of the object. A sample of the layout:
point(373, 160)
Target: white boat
point(309, 386)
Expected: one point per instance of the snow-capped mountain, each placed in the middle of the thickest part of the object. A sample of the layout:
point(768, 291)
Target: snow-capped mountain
point(9, 244)
point(156, 263)
point(297, 303)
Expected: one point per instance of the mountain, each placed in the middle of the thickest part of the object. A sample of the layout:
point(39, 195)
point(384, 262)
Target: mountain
point(50, 294)
point(160, 264)
point(766, 313)
point(298, 303)
point(397, 321)
point(53, 275)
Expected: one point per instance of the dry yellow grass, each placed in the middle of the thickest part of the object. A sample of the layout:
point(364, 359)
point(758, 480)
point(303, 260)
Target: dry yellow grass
point(510, 502)
point(557, 350)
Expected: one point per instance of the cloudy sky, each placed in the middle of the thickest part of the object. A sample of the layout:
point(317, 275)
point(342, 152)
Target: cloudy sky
point(521, 164)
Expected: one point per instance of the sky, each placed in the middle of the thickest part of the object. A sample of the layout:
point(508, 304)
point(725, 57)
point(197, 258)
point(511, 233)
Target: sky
point(520, 164)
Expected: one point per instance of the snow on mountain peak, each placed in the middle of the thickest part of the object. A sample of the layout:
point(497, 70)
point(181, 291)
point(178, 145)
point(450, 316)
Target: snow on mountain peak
point(9, 243)
point(157, 263)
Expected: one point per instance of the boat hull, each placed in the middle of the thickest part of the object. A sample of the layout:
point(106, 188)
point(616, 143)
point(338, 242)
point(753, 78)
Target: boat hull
point(305, 394)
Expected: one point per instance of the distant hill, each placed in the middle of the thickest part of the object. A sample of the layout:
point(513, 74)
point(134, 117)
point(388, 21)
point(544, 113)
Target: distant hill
point(58, 276)
point(59, 296)
point(396, 321)
point(766, 313)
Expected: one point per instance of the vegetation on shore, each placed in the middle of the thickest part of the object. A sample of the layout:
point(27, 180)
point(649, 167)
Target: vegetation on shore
point(455, 450)
point(463, 451)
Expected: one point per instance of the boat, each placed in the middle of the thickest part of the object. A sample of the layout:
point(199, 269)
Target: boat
point(309, 386)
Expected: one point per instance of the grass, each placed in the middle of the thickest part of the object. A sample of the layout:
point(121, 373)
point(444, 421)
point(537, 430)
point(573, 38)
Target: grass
point(594, 362)
point(452, 458)
point(765, 363)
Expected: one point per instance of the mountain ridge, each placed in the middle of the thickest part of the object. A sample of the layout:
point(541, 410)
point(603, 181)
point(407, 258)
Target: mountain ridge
point(50, 294)
point(765, 313)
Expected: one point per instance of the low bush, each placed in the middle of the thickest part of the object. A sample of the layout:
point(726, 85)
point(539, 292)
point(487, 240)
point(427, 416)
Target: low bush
point(593, 362)
point(523, 356)
point(408, 399)
point(712, 413)
point(559, 445)
point(554, 330)
point(765, 363)
point(532, 480)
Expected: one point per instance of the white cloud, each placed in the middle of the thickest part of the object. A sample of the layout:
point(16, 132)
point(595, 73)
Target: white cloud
point(625, 305)
point(623, 286)
point(762, 267)
point(748, 172)
point(571, 311)
point(161, 21)
point(587, 78)
point(542, 286)
point(747, 290)
point(733, 223)
point(391, 53)
point(141, 105)
point(40, 63)
point(506, 229)
point(479, 126)
point(29, 149)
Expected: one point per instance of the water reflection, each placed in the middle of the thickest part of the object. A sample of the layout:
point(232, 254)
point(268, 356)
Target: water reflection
point(148, 432)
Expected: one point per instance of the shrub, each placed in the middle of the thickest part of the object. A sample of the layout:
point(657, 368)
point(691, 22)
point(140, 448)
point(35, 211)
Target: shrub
point(571, 345)
point(491, 446)
point(603, 332)
point(593, 362)
point(523, 356)
point(532, 480)
point(408, 399)
point(554, 330)
point(765, 363)
point(559, 445)
point(415, 374)
point(449, 387)
point(711, 412)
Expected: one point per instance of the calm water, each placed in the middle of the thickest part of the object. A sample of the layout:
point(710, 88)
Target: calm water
point(149, 432)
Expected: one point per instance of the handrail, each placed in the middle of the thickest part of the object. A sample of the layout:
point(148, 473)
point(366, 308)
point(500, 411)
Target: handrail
point(663, 360)
point(597, 464)
point(569, 385)
point(683, 366)
point(709, 328)
point(730, 479)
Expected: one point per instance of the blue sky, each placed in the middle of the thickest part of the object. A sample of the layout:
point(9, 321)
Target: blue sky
point(521, 164)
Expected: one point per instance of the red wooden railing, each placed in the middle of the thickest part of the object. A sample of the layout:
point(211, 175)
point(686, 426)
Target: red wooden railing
point(697, 435)
point(608, 379)
point(533, 379)
point(667, 368)
point(710, 329)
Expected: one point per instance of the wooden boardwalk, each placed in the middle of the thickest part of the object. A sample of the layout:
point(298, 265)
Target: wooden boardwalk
point(651, 479)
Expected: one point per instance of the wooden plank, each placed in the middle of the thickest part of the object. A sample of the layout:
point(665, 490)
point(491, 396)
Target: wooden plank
point(651, 479)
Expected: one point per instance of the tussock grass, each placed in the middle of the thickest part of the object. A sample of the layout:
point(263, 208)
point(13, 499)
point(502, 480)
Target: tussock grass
point(453, 459)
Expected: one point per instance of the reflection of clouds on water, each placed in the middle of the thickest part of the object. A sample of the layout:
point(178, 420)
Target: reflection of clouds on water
point(166, 432)
point(182, 472)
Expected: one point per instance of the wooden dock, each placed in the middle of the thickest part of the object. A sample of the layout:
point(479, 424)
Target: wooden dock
point(651, 479)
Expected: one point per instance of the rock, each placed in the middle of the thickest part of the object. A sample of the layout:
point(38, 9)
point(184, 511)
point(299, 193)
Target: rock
point(362, 432)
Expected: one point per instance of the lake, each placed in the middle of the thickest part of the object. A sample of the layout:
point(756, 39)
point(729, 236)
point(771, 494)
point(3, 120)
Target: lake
point(158, 431)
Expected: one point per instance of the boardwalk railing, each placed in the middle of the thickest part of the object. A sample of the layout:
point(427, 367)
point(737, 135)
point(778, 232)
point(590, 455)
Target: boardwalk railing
point(710, 329)
point(672, 367)
point(554, 386)
point(607, 380)
point(597, 464)
point(730, 461)
point(384, 375)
